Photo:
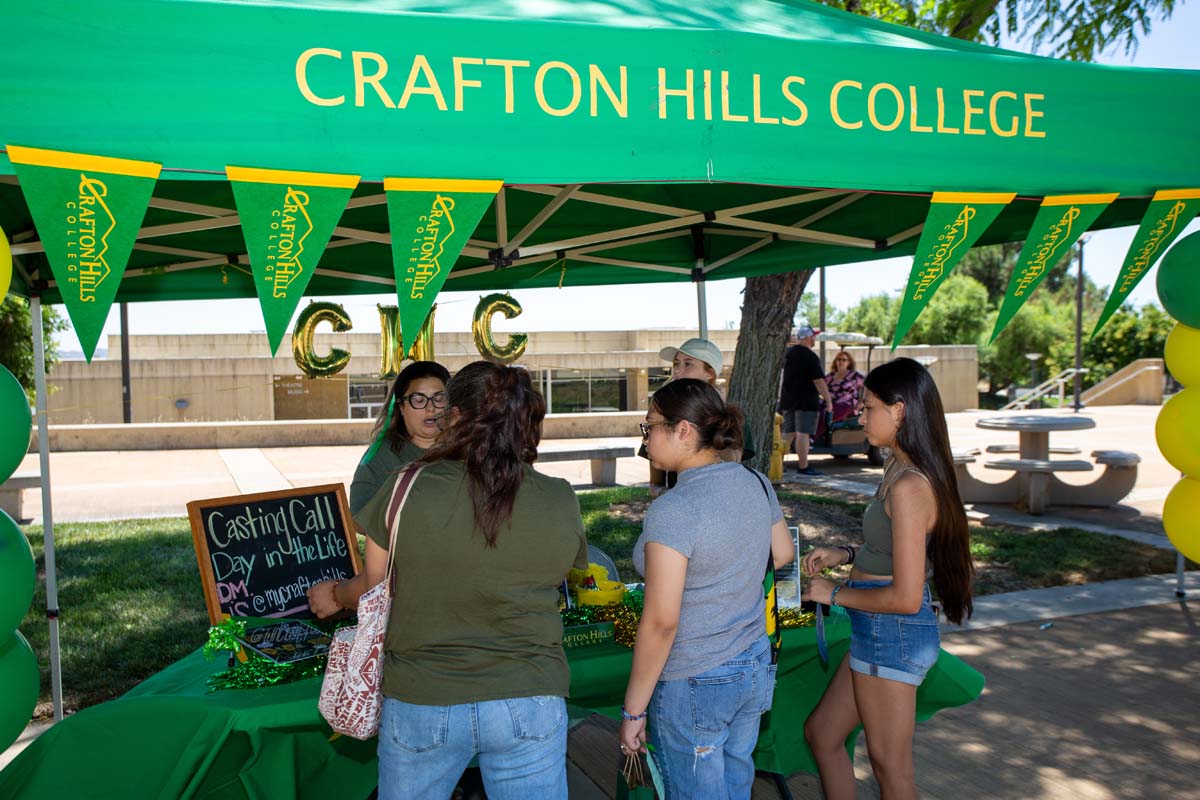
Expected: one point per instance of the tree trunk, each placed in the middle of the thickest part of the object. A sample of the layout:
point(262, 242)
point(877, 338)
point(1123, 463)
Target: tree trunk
point(767, 311)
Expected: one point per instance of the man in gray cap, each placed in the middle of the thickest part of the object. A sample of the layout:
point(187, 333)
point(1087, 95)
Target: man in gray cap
point(800, 395)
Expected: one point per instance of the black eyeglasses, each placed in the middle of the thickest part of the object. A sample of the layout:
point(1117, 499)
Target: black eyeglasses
point(646, 426)
point(419, 401)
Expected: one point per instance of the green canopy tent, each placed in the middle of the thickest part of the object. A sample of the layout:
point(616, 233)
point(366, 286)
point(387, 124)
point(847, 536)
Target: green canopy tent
point(637, 142)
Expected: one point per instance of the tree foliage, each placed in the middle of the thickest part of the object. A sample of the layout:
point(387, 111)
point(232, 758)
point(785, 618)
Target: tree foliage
point(16, 338)
point(1075, 31)
point(1078, 30)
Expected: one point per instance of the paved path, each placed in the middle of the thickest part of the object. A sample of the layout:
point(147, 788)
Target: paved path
point(1098, 707)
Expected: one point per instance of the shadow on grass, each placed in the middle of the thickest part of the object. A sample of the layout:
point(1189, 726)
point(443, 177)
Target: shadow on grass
point(130, 603)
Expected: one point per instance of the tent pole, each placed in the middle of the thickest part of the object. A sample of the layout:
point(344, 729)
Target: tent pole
point(821, 273)
point(39, 375)
point(702, 309)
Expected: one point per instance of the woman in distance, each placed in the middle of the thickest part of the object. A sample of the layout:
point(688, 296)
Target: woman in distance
point(914, 527)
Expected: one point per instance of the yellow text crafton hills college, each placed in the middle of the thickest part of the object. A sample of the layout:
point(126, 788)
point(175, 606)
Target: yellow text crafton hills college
point(360, 79)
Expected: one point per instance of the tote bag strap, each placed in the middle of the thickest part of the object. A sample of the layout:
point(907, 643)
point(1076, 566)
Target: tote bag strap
point(400, 494)
point(774, 629)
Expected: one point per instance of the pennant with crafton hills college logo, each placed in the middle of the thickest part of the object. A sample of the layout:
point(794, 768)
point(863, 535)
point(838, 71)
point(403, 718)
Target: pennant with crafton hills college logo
point(431, 220)
point(287, 218)
point(1169, 213)
point(956, 221)
point(87, 211)
point(1060, 222)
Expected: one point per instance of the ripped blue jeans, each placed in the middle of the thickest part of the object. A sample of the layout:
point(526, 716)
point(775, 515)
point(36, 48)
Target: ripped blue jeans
point(703, 728)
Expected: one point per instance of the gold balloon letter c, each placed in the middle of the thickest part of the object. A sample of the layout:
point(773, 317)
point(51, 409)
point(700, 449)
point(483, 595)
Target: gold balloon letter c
point(481, 329)
point(310, 363)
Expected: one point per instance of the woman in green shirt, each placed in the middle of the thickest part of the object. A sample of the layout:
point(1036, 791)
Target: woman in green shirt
point(400, 439)
point(473, 658)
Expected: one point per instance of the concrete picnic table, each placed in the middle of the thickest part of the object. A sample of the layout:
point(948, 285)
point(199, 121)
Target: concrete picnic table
point(1034, 430)
point(1033, 483)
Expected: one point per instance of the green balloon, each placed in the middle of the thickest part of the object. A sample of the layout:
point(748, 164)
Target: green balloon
point(1179, 281)
point(17, 576)
point(19, 677)
point(14, 431)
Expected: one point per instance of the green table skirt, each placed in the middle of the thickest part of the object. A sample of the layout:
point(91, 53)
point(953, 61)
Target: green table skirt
point(170, 738)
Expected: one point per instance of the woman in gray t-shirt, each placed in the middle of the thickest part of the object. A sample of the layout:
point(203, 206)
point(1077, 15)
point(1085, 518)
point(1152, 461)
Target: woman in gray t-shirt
point(702, 664)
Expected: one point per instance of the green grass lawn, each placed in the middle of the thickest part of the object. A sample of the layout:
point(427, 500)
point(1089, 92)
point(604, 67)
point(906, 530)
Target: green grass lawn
point(131, 600)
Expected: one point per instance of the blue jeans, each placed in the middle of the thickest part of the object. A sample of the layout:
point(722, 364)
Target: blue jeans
point(521, 744)
point(704, 728)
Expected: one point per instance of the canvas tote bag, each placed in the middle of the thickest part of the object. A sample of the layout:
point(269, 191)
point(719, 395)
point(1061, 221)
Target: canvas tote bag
point(350, 694)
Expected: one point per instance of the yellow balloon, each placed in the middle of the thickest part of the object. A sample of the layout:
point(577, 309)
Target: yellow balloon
point(5, 265)
point(1182, 354)
point(1181, 517)
point(1177, 431)
point(307, 360)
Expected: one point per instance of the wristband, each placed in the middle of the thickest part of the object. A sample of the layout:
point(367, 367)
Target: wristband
point(333, 596)
point(632, 717)
point(833, 595)
point(850, 553)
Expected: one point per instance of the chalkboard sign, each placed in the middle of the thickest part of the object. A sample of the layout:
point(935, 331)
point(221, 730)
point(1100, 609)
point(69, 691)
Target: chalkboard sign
point(258, 553)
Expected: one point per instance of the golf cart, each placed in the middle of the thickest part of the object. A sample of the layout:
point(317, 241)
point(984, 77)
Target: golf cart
point(845, 437)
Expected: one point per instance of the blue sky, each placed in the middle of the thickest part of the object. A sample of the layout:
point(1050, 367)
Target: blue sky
point(1171, 44)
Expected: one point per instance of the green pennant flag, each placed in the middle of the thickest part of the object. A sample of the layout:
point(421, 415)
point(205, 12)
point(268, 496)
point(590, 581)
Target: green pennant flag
point(1169, 213)
point(287, 218)
point(1060, 222)
point(87, 211)
point(431, 220)
point(956, 221)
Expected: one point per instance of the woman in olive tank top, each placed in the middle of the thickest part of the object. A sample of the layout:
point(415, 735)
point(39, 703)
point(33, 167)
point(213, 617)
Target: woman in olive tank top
point(915, 525)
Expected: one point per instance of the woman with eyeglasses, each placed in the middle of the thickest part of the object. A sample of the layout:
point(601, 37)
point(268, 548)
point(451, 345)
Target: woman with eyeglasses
point(702, 668)
point(419, 395)
point(473, 656)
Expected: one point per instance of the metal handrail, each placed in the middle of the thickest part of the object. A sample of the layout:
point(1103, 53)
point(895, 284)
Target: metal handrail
point(1044, 388)
point(1126, 379)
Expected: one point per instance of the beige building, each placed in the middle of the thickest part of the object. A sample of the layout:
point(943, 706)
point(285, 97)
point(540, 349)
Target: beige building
point(226, 377)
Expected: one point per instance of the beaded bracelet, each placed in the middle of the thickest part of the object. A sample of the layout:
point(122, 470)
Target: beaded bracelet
point(632, 717)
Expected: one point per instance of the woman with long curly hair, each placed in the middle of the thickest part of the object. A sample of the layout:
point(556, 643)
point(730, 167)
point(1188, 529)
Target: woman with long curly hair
point(915, 527)
point(473, 658)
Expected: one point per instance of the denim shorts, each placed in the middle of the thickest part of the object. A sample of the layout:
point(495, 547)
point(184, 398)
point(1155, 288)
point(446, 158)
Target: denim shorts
point(899, 647)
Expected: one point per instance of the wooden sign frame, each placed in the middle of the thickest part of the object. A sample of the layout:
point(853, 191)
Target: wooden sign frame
point(200, 539)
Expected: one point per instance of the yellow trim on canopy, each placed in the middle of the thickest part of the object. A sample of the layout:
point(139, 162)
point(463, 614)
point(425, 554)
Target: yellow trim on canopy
point(35, 157)
point(286, 176)
point(984, 198)
point(1177, 194)
point(1080, 199)
point(440, 185)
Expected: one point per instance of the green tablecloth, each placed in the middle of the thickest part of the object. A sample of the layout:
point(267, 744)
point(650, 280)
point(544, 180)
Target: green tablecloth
point(170, 738)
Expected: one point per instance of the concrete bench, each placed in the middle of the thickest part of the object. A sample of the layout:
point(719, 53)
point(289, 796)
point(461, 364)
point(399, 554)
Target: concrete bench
point(10, 493)
point(1013, 448)
point(965, 456)
point(1036, 482)
point(1038, 465)
point(603, 458)
point(1116, 458)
